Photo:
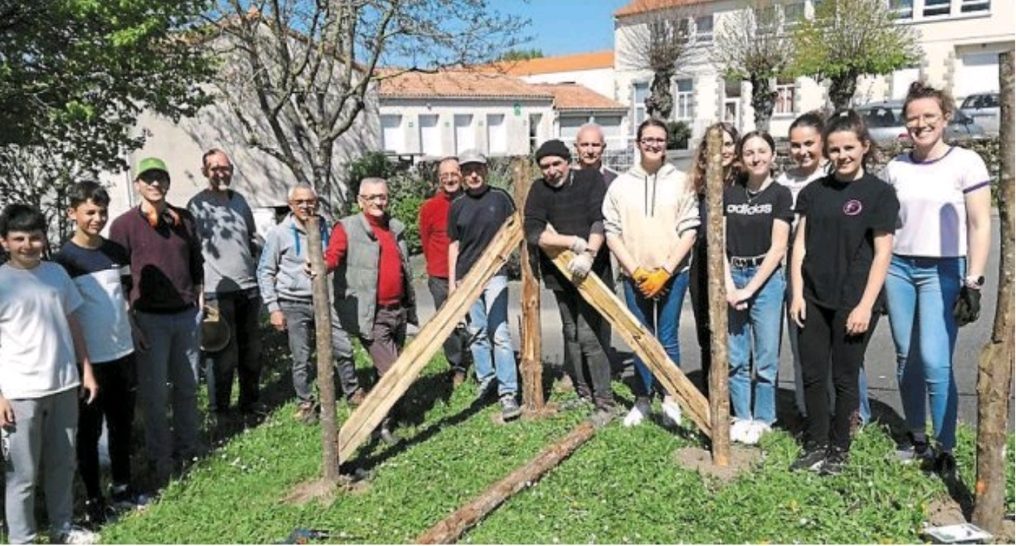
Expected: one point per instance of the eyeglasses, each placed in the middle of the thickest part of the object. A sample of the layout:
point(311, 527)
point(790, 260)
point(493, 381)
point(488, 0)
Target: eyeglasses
point(449, 176)
point(298, 202)
point(152, 177)
point(649, 141)
point(227, 169)
point(378, 197)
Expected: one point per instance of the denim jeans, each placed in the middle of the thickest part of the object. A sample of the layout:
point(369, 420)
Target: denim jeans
point(662, 317)
point(754, 335)
point(921, 293)
point(491, 339)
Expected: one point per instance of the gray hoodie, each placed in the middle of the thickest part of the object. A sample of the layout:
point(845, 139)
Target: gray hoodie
point(281, 268)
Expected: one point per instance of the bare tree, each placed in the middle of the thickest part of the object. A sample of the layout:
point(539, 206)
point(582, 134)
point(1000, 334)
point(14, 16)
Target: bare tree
point(752, 45)
point(660, 46)
point(850, 38)
point(297, 74)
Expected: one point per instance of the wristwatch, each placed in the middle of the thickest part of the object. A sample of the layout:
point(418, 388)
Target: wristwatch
point(974, 282)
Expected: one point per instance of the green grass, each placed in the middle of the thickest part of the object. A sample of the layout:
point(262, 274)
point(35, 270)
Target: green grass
point(622, 486)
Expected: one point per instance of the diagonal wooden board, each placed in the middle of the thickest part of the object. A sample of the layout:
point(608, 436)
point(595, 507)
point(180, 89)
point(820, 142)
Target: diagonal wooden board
point(642, 342)
point(357, 429)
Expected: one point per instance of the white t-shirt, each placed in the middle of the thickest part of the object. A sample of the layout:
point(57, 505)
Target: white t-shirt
point(796, 183)
point(36, 350)
point(933, 212)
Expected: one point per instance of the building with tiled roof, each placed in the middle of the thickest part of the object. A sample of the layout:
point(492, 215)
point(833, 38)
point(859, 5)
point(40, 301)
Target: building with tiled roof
point(594, 70)
point(437, 114)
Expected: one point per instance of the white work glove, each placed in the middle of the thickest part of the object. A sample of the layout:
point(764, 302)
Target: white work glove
point(578, 245)
point(580, 265)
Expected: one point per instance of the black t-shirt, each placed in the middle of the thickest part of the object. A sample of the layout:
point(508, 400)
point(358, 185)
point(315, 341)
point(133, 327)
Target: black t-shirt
point(842, 219)
point(572, 209)
point(473, 221)
point(750, 217)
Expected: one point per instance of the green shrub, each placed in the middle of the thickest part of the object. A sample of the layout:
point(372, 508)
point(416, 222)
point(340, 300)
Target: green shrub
point(678, 133)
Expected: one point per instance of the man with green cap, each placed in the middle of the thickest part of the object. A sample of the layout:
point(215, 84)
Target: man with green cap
point(166, 300)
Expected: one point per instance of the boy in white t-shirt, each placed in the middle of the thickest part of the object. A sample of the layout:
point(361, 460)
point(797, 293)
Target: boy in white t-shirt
point(39, 380)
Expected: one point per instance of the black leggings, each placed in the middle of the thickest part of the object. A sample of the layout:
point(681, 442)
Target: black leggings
point(823, 342)
point(117, 385)
point(698, 287)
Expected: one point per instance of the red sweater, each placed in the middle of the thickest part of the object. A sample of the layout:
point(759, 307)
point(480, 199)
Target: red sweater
point(389, 277)
point(434, 233)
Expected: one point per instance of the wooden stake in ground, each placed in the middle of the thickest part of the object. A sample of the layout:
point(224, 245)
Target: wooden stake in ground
point(719, 396)
point(532, 361)
point(418, 353)
point(641, 341)
point(994, 379)
point(323, 338)
point(451, 528)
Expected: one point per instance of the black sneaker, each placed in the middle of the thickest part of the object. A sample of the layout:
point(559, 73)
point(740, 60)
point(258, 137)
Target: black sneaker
point(509, 407)
point(834, 463)
point(124, 498)
point(95, 513)
point(945, 465)
point(811, 459)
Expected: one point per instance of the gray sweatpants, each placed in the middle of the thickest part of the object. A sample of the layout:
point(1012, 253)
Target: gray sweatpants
point(168, 372)
point(40, 442)
point(300, 329)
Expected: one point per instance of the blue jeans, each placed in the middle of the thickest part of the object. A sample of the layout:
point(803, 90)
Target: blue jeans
point(921, 294)
point(488, 324)
point(663, 323)
point(754, 334)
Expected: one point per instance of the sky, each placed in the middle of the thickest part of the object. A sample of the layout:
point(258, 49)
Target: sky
point(560, 27)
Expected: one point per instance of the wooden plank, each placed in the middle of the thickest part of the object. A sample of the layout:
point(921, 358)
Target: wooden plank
point(531, 364)
point(642, 342)
point(417, 354)
point(719, 395)
point(448, 530)
point(323, 340)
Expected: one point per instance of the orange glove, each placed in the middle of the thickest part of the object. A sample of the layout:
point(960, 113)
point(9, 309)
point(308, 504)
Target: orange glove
point(652, 287)
point(640, 275)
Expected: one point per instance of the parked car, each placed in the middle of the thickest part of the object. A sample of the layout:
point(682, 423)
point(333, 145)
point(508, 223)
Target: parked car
point(885, 122)
point(983, 108)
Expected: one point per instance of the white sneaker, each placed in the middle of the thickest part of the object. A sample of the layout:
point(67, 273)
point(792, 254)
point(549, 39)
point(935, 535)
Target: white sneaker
point(755, 431)
point(75, 535)
point(739, 430)
point(671, 412)
point(638, 413)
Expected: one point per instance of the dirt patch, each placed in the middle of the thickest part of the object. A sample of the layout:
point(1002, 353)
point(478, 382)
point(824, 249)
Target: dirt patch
point(548, 410)
point(324, 491)
point(701, 460)
point(1008, 533)
point(945, 511)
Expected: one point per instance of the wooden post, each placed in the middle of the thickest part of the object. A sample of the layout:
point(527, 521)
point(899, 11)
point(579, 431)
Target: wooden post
point(642, 341)
point(995, 371)
point(323, 339)
point(532, 359)
point(418, 353)
point(451, 528)
point(719, 398)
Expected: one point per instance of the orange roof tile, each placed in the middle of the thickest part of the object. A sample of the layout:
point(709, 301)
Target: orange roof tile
point(560, 63)
point(458, 84)
point(636, 7)
point(572, 96)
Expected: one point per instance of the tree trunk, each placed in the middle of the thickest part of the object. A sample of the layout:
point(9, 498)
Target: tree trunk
point(995, 372)
point(532, 361)
point(660, 102)
point(841, 90)
point(719, 399)
point(323, 339)
point(763, 98)
point(451, 528)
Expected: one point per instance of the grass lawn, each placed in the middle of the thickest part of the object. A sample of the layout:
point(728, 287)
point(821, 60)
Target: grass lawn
point(623, 486)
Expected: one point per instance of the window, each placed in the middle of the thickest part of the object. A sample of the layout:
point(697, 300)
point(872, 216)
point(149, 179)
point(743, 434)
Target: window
point(465, 135)
point(704, 29)
point(391, 133)
point(430, 135)
point(970, 6)
point(904, 8)
point(684, 100)
point(640, 91)
point(569, 127)
point(933, 8)
point(497, 136)
point(786, 91)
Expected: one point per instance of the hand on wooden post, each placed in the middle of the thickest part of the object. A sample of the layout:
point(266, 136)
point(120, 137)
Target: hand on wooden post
point(580, 265)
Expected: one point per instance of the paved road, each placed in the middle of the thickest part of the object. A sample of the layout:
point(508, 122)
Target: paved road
point(880, 361)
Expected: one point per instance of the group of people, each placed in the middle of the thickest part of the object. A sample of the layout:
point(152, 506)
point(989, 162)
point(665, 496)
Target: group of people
point(828, 243)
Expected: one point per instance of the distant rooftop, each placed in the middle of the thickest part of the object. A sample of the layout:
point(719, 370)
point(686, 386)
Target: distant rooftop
point(636, 7)
point(459, 84)
point(560, 63)
point(572, 96)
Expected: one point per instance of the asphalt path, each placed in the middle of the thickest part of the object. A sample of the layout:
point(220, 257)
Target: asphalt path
point(880, 361)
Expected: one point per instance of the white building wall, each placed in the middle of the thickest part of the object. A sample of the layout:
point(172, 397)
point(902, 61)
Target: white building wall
point(600, 80)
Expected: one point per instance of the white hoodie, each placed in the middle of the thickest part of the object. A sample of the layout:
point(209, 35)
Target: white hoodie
point(649, 212)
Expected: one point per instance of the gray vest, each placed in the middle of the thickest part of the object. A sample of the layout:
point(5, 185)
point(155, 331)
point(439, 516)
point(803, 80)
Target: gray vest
point(355, 279)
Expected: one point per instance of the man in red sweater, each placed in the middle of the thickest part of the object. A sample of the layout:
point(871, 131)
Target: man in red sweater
point(374, 300)
point(434, 238)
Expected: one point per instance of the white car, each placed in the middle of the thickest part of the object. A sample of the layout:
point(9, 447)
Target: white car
point(983, 108)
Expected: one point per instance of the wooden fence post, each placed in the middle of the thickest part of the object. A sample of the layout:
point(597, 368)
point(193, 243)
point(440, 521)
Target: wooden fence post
point(719, 397)
point(428, 341)
point(995, 371)
point(530, 347)
point(323, 339)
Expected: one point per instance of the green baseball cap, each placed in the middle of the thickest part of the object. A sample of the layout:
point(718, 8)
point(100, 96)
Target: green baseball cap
point(150, 164)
